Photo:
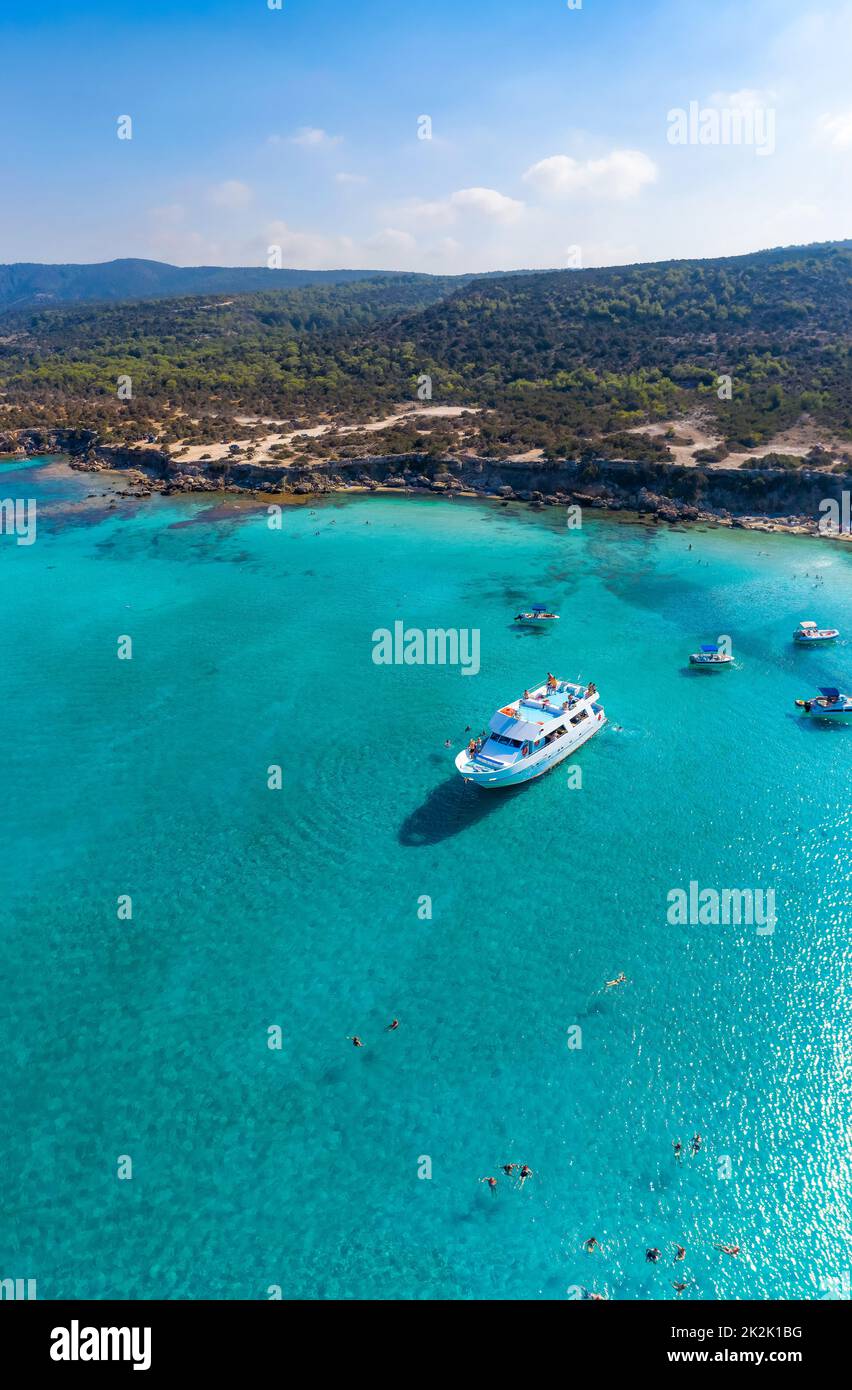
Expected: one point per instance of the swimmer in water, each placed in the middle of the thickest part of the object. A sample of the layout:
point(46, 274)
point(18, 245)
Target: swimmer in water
point(678, 1149)
point(679, 1288)
point(680, 1252)
point(524, 1174)
point(652, 1255)
point(492, 1183)
point(392, 1026)
point(696, 1143)
point(592, 1244)
point(728, 1249)
point(355, 1041)
point(619, 980)
point(509, 1168)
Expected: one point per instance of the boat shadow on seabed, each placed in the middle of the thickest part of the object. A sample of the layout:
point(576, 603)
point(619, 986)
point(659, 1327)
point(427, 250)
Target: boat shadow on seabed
point(451, 808)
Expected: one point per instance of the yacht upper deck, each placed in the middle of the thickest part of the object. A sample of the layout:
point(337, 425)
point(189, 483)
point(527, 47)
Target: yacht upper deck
point(540, 711)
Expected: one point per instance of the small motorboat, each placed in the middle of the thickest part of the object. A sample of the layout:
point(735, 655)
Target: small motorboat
point(812, 636)
point(539, 613)
point(828, 704)
point(711, 657)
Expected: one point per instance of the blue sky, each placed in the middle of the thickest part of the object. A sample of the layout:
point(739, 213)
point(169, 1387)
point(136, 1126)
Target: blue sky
point(298, 128)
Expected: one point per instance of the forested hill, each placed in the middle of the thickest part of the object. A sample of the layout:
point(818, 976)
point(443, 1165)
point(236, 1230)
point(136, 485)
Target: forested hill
point(23, 285)
point(611, 347)
point(564, 361)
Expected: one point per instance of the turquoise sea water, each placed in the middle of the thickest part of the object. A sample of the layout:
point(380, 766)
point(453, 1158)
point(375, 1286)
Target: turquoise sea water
point(251, 907)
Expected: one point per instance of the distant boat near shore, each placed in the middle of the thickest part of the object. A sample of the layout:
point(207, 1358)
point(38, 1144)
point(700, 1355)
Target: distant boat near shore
point(828, 704)
point(807, 634)
point(711, 658)
point(536, 616)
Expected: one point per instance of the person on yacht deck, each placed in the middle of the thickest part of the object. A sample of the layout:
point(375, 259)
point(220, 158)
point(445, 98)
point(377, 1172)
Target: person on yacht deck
point(551, 682)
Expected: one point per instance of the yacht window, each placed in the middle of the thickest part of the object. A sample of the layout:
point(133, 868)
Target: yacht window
point(578, 718)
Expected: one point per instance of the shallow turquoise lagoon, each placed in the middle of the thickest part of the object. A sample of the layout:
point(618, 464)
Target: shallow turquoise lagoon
point(302, 908)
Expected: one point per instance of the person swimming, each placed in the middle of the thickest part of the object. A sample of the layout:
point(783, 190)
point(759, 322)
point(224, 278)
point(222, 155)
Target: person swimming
point(696, 1143)
point(728, 1249)
point(592, 1244)
point(679, 1288)
point(652, 1255)
point(392, 1026)
point(678, 1149)
point(524, 1174)
point(680, 1252)
point(619, 980)
point(509, 1168)
point(492, 1183)
point(355, 1041)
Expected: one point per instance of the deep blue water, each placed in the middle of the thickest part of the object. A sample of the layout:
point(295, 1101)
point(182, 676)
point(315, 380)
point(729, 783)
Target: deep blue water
point(299, 908)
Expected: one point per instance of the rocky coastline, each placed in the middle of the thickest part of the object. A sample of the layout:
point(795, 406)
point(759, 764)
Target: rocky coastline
point(756, 499)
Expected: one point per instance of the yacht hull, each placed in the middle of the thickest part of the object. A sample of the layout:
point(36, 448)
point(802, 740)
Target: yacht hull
point(492, 779)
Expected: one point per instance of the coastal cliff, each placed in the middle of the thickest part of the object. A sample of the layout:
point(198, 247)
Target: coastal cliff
point(669, 492)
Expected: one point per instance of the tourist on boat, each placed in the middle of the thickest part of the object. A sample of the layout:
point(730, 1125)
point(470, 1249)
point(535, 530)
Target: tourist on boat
point(551, 681)
point(526, 695)
point(472, 748)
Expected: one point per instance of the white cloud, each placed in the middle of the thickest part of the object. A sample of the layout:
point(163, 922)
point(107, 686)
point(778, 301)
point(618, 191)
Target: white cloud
point(487, 202)
point(621, 174)
point(477, 202)
point(312, 138)
point(391, 239)
point(230, 194)
point(837, 129)
point(350, 178)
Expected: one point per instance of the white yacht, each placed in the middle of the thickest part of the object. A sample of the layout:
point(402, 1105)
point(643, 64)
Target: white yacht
point(532, 734)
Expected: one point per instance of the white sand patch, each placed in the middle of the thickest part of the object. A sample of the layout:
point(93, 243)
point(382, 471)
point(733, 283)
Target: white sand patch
point(193, 453)
point(798, 441)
